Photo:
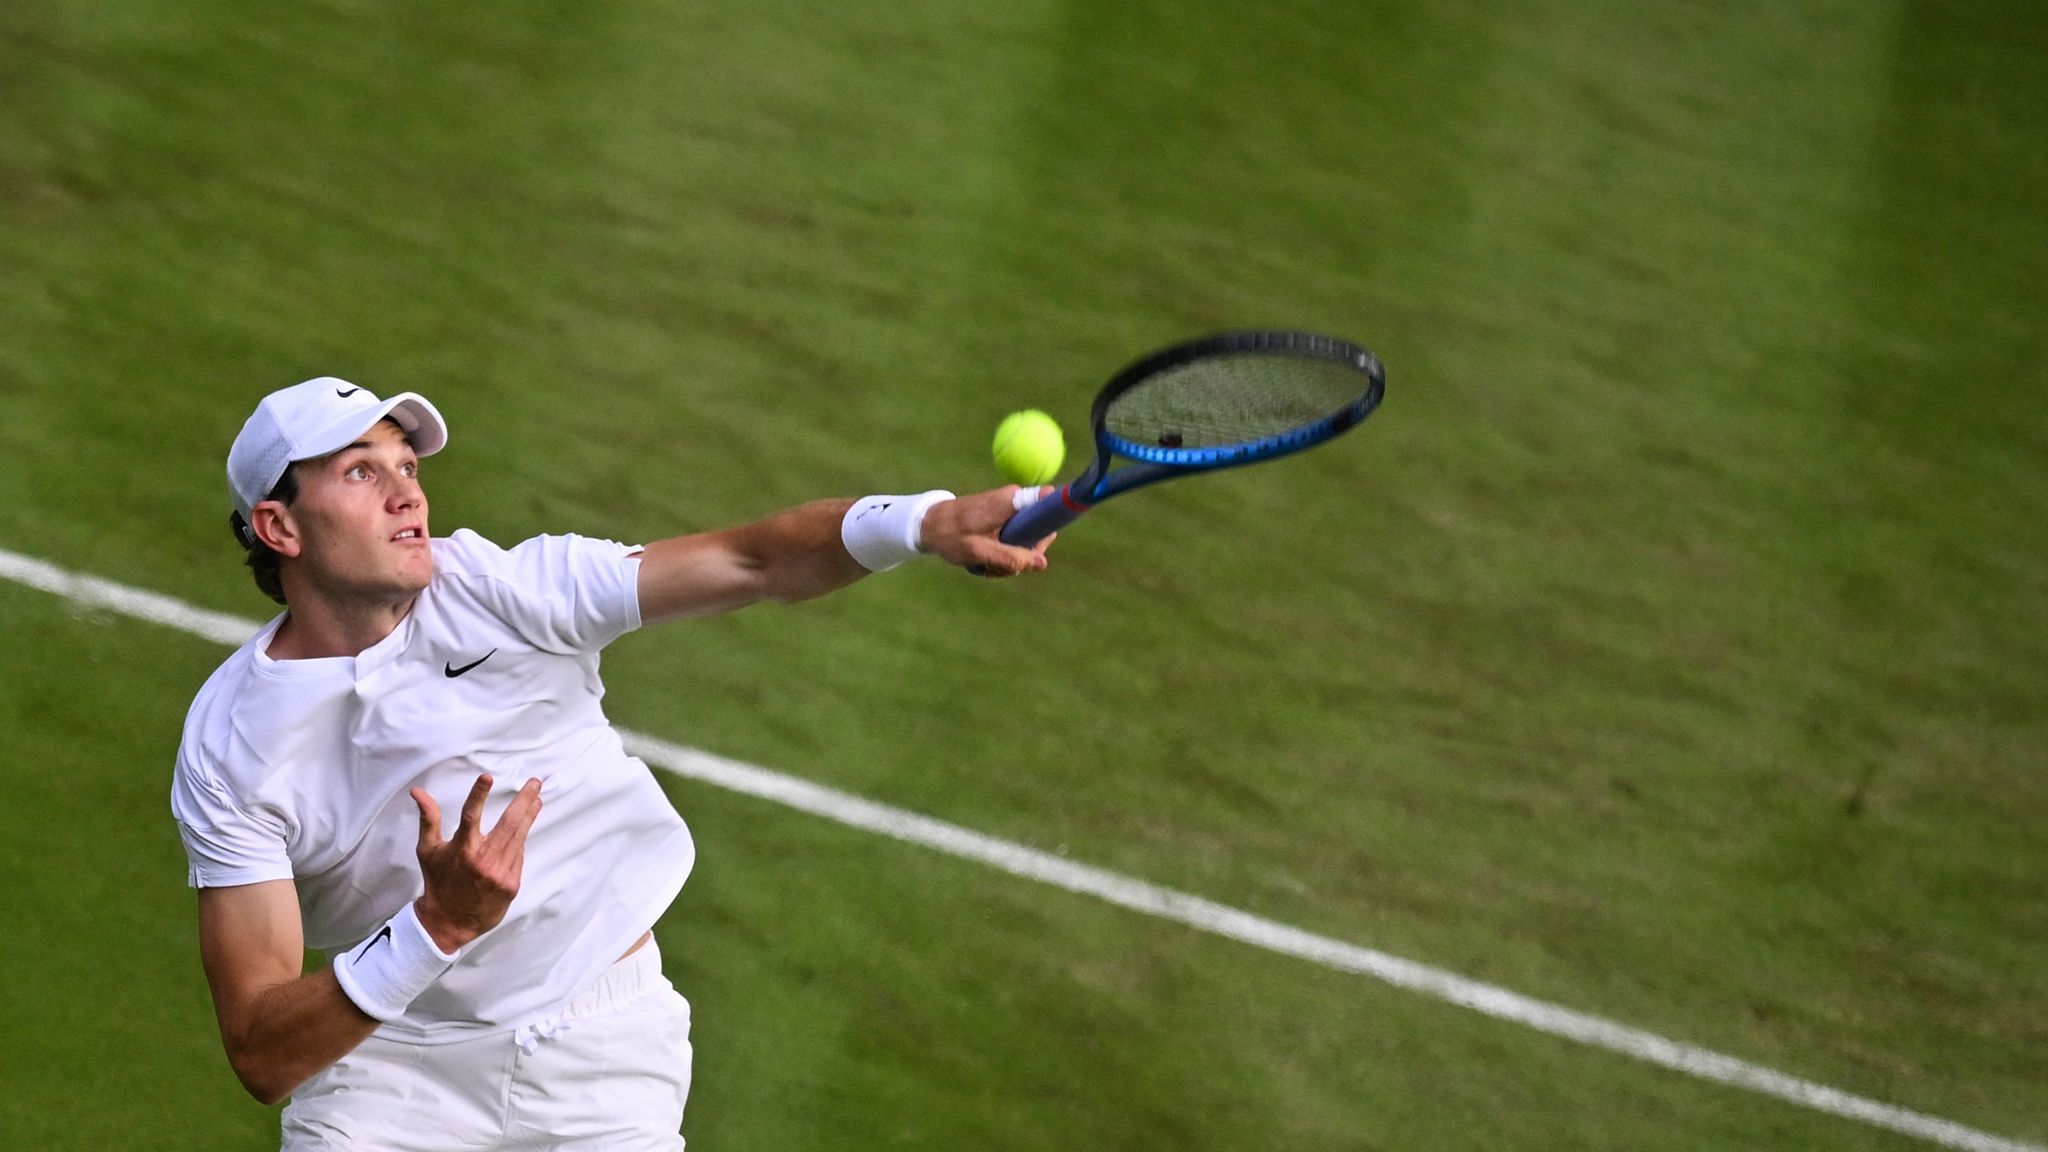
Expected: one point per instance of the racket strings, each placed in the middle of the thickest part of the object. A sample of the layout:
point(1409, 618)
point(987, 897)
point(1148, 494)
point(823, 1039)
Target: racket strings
point(1231, 400)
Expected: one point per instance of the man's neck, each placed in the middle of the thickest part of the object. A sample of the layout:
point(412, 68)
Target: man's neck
point(320, 628)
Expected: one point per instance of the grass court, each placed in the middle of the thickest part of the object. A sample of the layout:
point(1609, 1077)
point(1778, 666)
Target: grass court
point(1670, 645)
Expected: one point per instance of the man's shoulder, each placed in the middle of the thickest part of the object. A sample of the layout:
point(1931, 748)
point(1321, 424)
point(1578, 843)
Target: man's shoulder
point(561, 593)
point(209, 719)
point(465, 552)
point(540, 563)
point(220, 689)
point(241, 703)
point(215, 775)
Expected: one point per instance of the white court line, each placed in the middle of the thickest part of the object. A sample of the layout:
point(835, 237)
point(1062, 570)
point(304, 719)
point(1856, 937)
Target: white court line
point(1137, 895)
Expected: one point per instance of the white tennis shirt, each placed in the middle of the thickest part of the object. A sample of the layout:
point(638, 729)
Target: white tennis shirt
point(301, 770)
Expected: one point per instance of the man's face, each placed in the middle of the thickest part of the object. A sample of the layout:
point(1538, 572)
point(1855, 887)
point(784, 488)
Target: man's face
point(361, 519)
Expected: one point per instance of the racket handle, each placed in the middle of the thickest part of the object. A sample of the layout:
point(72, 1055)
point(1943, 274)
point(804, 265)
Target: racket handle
point(1042, 518)
point(1035, 520)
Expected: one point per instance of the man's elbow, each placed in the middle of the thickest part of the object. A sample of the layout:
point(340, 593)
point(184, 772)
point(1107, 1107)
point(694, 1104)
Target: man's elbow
point(261, 1078)
point(269, 1090)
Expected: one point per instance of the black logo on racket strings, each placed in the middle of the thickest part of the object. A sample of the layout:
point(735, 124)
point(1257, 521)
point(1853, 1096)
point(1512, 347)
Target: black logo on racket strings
point(347, 394)
point(451, 671)
point(383, 933)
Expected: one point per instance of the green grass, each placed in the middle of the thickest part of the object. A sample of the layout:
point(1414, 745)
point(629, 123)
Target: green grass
point(1667, 646)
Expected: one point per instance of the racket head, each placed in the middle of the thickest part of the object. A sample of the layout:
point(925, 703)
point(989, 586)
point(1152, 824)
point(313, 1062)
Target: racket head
point(1228, 399)
point(1214, 402)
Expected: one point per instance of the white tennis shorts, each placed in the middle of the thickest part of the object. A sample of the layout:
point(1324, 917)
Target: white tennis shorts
point(610, 1071)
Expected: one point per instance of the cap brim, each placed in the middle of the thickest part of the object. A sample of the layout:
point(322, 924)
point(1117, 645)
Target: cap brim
point(420, 419)
point(415, 415)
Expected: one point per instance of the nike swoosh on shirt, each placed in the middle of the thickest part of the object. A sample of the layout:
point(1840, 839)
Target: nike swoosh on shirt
point(451, 671)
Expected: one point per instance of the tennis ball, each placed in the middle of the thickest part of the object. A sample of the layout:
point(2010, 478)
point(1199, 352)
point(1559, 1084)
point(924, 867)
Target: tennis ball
point(1029, 448)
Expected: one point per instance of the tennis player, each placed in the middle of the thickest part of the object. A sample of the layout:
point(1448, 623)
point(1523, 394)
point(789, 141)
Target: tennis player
point(493, 984)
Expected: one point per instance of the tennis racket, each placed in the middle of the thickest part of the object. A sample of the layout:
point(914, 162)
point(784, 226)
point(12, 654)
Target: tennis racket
point(1217, 402)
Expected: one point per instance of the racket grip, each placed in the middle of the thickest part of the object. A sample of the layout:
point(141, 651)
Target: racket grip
point(1042, 518)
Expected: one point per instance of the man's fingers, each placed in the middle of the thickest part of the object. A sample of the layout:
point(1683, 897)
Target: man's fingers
point(473, 809)
point(430, 820)
point(509, 836)
point(968, 531)
point(994, 508)
point(985, 513)
point(998, 559)
point(1031, 494)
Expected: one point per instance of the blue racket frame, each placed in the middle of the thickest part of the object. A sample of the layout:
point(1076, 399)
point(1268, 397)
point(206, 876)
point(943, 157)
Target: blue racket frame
point(1152, 463)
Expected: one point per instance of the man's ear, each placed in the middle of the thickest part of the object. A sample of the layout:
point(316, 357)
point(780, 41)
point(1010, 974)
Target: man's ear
point(272, 522)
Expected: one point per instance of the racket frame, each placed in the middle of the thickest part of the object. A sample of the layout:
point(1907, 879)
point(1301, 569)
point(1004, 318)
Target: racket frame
point(1152, 463)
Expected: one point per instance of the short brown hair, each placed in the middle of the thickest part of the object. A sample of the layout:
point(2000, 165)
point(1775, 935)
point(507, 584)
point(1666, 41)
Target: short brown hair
point(263, 563)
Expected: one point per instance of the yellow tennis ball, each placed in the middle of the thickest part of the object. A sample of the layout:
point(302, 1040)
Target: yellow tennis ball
point(1029, 448)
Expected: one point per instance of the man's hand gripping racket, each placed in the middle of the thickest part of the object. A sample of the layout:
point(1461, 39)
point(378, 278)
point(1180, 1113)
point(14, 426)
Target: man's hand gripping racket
point(1213, 403)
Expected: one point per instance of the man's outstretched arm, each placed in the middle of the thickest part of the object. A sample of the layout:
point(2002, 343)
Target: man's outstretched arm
point(799, 553)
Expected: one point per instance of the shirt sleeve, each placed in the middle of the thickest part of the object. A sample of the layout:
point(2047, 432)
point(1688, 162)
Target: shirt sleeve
point(562, 593)
point(224, 845)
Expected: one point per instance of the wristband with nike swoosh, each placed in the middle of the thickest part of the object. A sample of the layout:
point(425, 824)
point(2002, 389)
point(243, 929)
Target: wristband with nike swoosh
point(881, 532)
point(390, 968)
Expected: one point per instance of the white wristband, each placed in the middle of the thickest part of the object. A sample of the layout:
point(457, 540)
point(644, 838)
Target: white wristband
point(884, 531)
point(388, 971)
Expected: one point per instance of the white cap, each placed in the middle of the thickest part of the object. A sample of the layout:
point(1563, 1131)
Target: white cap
point(312, 419)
